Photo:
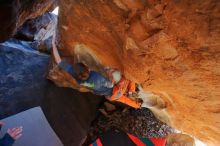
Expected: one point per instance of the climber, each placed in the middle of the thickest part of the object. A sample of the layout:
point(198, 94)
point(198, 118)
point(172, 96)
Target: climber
point(92, 80)
point(116, 89)
point(11, 135)
point(121, 91)
point(97, 83)
point(120, 138)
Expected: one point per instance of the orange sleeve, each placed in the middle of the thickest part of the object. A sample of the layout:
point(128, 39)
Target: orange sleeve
point(131, 87)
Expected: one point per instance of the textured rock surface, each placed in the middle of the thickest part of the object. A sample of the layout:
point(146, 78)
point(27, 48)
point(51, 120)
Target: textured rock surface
point(39, 32)
point(171, 47)
point(22, 77)
point(13, 13)
point(38, 29)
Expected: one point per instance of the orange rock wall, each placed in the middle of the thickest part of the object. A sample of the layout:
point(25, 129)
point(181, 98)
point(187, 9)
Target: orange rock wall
point(170, 47)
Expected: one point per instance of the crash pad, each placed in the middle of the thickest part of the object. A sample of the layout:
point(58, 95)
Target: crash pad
point(36, 129)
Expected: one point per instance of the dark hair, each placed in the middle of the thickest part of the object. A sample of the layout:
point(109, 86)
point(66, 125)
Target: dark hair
point(82, 71)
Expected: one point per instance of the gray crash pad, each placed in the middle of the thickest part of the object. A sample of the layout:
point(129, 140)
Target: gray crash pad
point(36, 129)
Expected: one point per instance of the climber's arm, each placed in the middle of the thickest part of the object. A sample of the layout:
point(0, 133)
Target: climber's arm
point(56, 55)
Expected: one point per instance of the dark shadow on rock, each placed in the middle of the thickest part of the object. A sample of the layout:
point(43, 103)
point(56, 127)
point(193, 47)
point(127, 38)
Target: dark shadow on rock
point(70, 113)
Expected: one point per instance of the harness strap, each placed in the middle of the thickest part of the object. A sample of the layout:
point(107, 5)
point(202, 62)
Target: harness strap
point(136, 140)
point(158, 141)
point(97, 143)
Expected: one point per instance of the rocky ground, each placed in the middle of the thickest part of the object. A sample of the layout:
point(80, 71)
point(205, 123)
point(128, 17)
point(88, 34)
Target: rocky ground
point(141, 123)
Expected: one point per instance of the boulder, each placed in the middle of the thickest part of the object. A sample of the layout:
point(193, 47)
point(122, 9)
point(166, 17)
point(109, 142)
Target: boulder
point(38, 29)
point(13, 13)
point(170, 47)
point(22, 77)
point(38, 32)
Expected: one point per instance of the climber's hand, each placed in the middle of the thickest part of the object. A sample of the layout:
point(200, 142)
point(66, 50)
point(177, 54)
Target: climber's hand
point(15, 133)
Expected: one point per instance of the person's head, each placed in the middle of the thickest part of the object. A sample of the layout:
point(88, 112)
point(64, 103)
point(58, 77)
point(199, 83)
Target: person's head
point(178, 139)
point(82, 71)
